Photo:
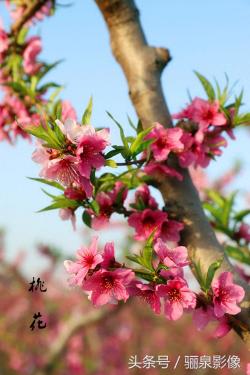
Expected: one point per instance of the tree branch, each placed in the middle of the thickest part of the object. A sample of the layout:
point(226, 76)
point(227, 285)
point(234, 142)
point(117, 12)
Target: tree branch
point(75, 323)
point(142, 66)
point(30, 11)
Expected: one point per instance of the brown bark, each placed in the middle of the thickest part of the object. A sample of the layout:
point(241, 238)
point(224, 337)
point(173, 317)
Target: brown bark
point(142, 66)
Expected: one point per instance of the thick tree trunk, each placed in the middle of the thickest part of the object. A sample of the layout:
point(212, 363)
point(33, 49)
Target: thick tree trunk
point(142, 66)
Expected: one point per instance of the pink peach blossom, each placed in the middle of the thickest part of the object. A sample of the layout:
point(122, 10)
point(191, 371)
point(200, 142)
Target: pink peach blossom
point(185, 113)
point(70, 128)
point(75, 193)
point(203, 315)
point(107, 203)
point(19, 10)
point(143, 194)
point(176, 257)
point(222, 328)
point(207, 113)
point(101, 220)
point(244, 232)
point(89, 149)
point(4, 41)
point(177, 297)
point(145, 222)
point(68, 111)
point(203, 112)
point(87, 259)
point(187, 156)
point(108, 286)
point(68, 214)
point(147, 293)
point(64, 170)
point(226, 295)
point(153, 168)
point(172, 273)
point(108, 255)
point(170, 230)
point(34, 47)
point(166, 140)
point(44, 11)
point(199, 152)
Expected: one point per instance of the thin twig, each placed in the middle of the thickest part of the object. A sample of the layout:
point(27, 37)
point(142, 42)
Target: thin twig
point(30, 11)
point(74, 324)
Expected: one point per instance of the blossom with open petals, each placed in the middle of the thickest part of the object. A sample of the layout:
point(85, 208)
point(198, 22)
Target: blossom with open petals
point(176, 257)
point(226, 295)
point(87, 259)
point(177, 297)
point(108, 286)
point(90, 146)
point(165, 141)
point(34, 47)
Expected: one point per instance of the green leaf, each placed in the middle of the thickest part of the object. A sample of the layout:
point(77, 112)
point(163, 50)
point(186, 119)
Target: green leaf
point(227, 209)
point(112, 153)
point(143, 275)
point(131, 123)
point(147, 252)
point(130, 139)
point(47, 86)
point(243, 119)
point(123, 137)
point(95, 207)
point(18, 87)
point(133, 258)
point(162, 267)
point(238, 102)
point(241, 215)
point(136, 145)
point(221, 228)
point(111, 163)
point(47, 182)
point(60, 203)
point(46, 68)
point(120, 195)
point(198, 273)
point(216, 197)
point(22, 35)
point(38, 131)
point(211, 272)
point(55, 93)
point(86, 218)
point(88, 112)
point(139, 205)
point(206, 85)
point(215, 212)
point(223, 95)
point(54, 197)
point(59, 134)
point(58, 109)
point(50, 133)
point(144, 146)
point(238, 253)
point(33, 83)
point(139, 127)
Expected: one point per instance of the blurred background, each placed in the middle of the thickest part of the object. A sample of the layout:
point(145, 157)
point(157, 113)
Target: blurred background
point(210, 37)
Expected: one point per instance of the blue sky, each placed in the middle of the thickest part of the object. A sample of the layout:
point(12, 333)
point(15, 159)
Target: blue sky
point(212, 37)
